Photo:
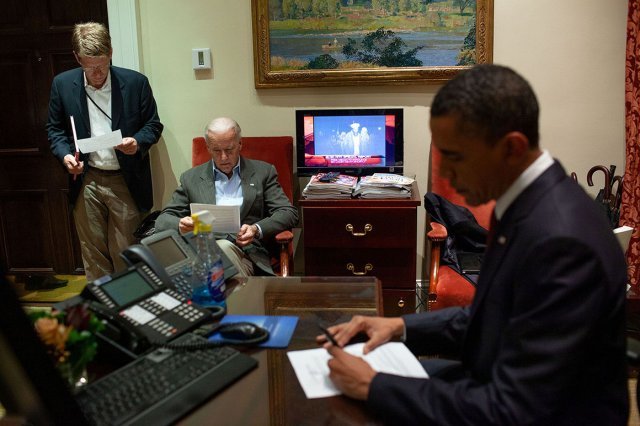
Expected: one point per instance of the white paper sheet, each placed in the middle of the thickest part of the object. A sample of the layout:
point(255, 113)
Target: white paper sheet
point(108, 140)
point(313, 373)
point(227, 218)
point(623, 233)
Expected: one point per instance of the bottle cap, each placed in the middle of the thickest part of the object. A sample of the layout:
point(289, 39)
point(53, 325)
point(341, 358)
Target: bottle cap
point(202, 221)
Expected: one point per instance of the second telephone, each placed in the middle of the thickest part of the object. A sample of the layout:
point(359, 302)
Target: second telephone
point(173, 253)
point(142, 309)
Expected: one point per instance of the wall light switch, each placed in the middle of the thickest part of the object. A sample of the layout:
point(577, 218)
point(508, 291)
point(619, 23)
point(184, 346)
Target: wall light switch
point(201, 58)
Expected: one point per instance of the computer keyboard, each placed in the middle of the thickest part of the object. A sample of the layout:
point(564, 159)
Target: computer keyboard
point(162, 386)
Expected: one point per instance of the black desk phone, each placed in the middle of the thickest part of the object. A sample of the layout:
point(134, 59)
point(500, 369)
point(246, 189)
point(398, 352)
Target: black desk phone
point(149, 301)
point(140, 309)
point(172, 252)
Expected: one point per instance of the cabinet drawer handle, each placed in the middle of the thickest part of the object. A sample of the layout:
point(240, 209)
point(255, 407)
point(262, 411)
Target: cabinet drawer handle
point(401, 303)
point(367, 228)
point(368, 267)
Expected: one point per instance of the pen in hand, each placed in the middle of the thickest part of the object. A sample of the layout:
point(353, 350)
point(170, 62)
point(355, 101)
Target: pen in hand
point(77, 157)
point(329, 337)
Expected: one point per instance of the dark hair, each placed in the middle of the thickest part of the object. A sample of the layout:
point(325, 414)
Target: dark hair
point(490, 99)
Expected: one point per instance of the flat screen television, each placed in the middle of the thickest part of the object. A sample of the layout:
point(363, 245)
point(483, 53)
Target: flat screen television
point(355, 142)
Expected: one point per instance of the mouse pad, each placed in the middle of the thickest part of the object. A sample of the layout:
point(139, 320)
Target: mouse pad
point(280, 328)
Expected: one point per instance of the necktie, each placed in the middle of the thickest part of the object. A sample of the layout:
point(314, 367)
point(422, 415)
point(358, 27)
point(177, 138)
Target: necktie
point(493, 224)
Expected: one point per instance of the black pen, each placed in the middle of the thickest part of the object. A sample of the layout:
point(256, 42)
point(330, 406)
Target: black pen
point(329, 336)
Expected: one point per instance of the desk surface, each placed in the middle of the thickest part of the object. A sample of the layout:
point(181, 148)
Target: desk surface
point(271, 394)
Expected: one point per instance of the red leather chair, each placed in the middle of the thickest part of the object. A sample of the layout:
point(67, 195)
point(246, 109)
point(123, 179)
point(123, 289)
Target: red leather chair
point(276, 150)
point(446, 286)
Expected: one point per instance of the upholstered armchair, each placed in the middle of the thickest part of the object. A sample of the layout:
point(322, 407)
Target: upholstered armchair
point(447, 284)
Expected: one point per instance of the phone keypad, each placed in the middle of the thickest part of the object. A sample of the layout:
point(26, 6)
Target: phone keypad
point(181, 284)
point(189, 313)
point(163, 327)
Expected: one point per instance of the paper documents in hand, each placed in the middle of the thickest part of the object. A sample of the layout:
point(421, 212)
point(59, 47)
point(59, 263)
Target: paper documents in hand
point(313, 373)
point(108, 140)
point(227, 218)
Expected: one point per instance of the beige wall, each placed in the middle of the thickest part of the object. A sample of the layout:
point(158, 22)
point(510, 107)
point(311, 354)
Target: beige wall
point(572, 51)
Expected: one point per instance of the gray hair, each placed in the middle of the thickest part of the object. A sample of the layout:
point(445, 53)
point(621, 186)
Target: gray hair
point(222, 125)
point(91, 39)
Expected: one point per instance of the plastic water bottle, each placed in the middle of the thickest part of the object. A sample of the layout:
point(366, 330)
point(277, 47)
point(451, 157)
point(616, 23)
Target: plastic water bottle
point(207, 283)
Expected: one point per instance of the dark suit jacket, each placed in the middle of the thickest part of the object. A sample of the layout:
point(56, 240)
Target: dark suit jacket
point(543, 341)
point(265, 203)
point(133, 111)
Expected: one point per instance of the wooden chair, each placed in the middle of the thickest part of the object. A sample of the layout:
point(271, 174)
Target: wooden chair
point(276, 150)
point(446, 286)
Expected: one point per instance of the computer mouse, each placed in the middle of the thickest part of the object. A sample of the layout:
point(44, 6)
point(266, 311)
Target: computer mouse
point(243, 331)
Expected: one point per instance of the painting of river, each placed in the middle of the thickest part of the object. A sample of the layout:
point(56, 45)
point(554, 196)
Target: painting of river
point(342, 42)
point(440, 48)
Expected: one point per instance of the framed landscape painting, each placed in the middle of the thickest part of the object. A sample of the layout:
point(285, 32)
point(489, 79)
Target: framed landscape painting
point(302, 43)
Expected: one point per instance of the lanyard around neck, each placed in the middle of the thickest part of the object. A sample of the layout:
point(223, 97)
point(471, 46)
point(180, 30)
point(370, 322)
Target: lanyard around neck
point(97, 106)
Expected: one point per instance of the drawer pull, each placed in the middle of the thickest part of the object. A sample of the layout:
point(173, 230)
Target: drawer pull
point(368, 267)
point(401, 303)
point(367, 228)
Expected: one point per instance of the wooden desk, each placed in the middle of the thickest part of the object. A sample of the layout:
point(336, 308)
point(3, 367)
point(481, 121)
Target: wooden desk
point(271, 394)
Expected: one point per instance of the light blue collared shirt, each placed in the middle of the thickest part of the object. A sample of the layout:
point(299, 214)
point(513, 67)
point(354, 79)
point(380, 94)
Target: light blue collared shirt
point(538, 167)
point(229, 190)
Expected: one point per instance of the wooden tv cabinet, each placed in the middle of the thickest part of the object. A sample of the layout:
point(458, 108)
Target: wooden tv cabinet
point(365, 237)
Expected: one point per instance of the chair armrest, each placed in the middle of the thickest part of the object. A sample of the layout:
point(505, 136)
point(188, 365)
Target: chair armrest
point(436, 236)
point(285, 239)
point(437, 233)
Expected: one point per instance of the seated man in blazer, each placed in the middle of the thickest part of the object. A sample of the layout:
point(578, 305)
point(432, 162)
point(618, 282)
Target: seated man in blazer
point(233, 180)
point(543, 341)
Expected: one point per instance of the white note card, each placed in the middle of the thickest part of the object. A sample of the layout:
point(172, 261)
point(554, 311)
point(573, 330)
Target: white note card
point(227, 218)
point(108, 140)
point(313, 373)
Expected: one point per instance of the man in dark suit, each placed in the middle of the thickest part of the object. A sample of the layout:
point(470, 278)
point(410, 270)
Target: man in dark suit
point(543, 342)
point(109, 188)
point(229, 179)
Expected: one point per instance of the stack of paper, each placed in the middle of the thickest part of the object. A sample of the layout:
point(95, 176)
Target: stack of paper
point(340, 187)
point(384, 185)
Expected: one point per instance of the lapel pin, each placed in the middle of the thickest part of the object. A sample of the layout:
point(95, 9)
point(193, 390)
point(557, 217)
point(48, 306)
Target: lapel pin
point(502, 240)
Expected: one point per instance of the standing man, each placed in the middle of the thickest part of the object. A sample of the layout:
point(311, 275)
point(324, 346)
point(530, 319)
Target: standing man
point(230, 179)
point(543, 342)
point(109, 188)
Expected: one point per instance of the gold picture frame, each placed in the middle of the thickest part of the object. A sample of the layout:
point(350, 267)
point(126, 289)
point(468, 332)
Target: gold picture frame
point(271, 75)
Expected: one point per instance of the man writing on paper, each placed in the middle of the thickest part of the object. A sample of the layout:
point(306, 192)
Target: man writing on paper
point(543, 342)
point(229, 179)
point(111, 187)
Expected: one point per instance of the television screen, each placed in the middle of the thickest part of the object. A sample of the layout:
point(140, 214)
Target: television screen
point(351, 141)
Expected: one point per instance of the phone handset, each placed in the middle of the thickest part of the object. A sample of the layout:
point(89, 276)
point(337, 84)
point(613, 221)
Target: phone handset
point(139, 253)
point(119, 330)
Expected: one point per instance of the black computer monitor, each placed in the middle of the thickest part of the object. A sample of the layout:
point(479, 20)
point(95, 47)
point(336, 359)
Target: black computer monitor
point(30, 386)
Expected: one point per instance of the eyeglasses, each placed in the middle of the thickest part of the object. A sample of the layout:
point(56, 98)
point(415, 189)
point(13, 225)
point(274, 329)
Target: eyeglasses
point(97, 68)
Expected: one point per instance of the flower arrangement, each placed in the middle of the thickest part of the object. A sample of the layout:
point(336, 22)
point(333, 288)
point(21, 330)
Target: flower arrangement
point(70, 338)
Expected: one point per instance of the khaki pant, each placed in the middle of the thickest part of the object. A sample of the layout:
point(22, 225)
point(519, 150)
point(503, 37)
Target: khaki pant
point(106, 217)
point(236, 256)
